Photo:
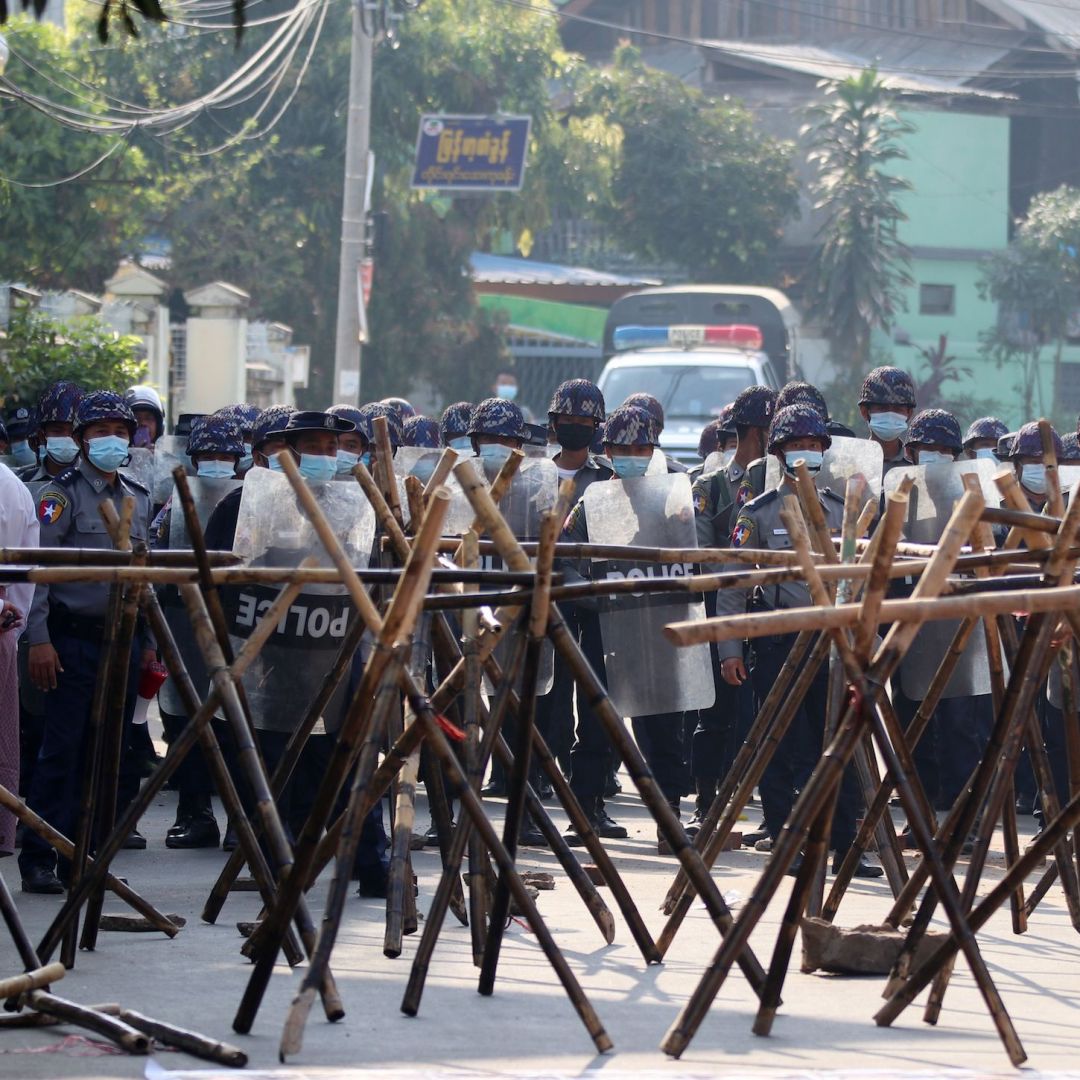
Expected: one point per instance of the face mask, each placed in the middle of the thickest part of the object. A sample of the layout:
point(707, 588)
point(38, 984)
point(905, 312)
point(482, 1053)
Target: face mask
point(1033, 477)
point(462, 444)
point(22, 453)
point(574, 436)
point(275, 465)
point(494, 454)
point(506, 391)
point(144, 437)
point(107, 452)
point(627, 468)
point(985, 453)
point(346, 462)
point(61, 448)
point(365, 460)
point(888, 426)
point(246, 461)
point(811, 457)
point(215, 470)
point(318, 468)
point(933, 457)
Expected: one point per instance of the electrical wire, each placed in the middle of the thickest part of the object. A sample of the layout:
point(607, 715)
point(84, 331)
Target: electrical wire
point(67, 179)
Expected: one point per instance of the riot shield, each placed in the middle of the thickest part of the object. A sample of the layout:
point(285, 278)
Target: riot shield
point(845, 458)
point(169, 451)
point(272, 530)
point(206, 494)
point(716, 461)
point(418, 461)
point(933, 497)
point(646, 674)
point(140, 467)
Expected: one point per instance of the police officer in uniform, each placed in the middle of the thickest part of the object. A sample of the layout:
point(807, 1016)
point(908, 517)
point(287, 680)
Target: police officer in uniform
point(718, 498)
point(421, 431)
point(145, 404)
point(52, 441)
point(981, 437)
point(1026, 454)
point(656, 414)
point(353, 446)
point(575, 414)
point(244, 415)
point(887, 403)
point(20, 425)
point(454, 426)
point(798, 431)
point(67, 624)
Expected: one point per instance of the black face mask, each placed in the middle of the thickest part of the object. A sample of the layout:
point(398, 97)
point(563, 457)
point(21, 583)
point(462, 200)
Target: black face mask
point(574, 436)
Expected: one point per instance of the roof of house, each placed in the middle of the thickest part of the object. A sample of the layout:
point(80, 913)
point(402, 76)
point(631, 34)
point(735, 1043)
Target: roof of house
point(504, 270)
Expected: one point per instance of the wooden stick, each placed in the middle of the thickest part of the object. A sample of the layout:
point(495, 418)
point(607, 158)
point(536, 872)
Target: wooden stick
point(447, 460)
point(191, 1042)
point(124, 1035)
point(98, 557)
point(414, 492)
point(384, 468)
point(1054, 502)
point(32, 980)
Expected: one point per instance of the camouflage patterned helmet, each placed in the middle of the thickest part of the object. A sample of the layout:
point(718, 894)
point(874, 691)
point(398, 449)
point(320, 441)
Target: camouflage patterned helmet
point(421, 431)
point(1028, 442)
point(798, 421)
point(355, 417)
point(888, 386)
point(402, 406)
point(101, 405)
point(709, 440)
point(57, 403)
point(629, 425)
point(653, 408)
point(802, 393)
point(577, 397)
point(454, 423)
point(215, 434)
point(754, 407)
point(726, 420)
point(497, 416)
point(243, 414)
point(935, 427)
point(1070, 446)
point(986, 427)
point(270, 419)
point(369, 412)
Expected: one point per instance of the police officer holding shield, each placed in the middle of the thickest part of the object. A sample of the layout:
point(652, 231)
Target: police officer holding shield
point(887, 403)
point(797, 432)
point(67, 624)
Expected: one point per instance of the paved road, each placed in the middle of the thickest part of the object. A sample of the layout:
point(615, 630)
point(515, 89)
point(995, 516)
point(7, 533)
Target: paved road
point(528, 1026)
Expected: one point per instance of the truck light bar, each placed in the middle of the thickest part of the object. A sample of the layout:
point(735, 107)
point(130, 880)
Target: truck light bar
point(740, 336)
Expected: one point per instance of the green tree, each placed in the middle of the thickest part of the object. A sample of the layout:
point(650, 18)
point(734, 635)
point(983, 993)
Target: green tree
point(38, 350)
point(858, 271)
point(63, 234)
point(695, 181)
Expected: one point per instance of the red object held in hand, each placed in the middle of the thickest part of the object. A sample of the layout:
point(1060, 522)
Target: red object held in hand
point(153, 675)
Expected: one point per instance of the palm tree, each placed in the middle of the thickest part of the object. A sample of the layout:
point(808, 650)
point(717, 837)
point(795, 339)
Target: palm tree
point(857, 273)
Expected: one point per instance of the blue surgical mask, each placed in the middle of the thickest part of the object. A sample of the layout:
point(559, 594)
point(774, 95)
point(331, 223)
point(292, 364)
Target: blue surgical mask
point(365, 459)
point(1033, 477)
point(246, 461)
point(318, 468)
point(888, 426)
point(63, 449)
point(22, 453)
point(107, 452)
point(275, 465)
point(346, 462)
point(506, 391)
point(215, 470)
point(812, 458)
point(985, 453)
point(933, 457)
point(462, 444)
point(494, 454)
point(627, 467)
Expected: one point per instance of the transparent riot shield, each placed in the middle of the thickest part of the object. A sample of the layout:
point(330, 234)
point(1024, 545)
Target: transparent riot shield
point(646, 674)
point(206, 494)
point(716, 461)
point(845, 458)
point(272, 530)
point(140, 467)
point(933, 496)
point(418, 461)
point(169, 451)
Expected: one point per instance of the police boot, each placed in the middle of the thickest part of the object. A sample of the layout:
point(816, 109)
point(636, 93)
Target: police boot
point(706, 793)
point(200, 830)
point(185, 807)
point(605, 825)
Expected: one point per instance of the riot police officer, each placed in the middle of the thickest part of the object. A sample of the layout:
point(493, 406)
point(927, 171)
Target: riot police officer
point(20, 425)
point(353, 446)
point(981, 437)
point(52, 440)
point(145, 403)
point(656, 415)
point(797, 431)
point(421, 431)
point(244, 415)
point(67, 623)
point(887, 403)
point(454, 426)
point(1026, 454)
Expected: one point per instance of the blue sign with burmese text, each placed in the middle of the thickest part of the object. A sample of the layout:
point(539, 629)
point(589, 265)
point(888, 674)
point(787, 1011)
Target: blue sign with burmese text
point(471, 153)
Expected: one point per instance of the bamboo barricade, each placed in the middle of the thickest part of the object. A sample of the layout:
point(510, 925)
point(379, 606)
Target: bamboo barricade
point(818, 790)
point(458, 785)
point(627, 750)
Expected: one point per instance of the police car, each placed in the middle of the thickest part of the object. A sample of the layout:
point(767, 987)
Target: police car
point(695, 368)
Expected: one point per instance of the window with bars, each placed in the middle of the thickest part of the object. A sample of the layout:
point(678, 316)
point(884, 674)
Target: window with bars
point(178, 355)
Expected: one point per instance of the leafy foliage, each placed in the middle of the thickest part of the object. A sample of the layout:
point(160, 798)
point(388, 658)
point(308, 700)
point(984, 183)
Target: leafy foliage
point(694, 181)
point(857, 273)
point(38, 350)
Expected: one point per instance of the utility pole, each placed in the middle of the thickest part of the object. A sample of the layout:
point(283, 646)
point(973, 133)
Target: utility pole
point(354, 211)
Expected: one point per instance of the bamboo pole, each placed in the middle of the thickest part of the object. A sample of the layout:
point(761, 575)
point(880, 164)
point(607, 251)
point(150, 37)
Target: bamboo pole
point(124, 1035)
point(441, 472)
point(384, 467)
point(15, 985)
point(190, 1042)
point(103, 557)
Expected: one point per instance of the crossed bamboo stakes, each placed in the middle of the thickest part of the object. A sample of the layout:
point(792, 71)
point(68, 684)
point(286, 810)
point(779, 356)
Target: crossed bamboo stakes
point(839, 630)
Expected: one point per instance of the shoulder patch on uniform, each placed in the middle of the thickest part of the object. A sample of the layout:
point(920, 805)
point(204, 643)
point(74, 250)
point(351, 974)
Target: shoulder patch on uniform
point(68, 476)
point(744, 528)
point(51, 507)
